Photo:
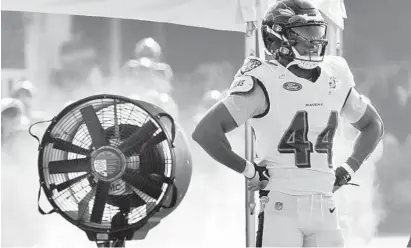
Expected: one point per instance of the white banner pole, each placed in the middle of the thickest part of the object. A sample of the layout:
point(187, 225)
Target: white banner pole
point(251, 49)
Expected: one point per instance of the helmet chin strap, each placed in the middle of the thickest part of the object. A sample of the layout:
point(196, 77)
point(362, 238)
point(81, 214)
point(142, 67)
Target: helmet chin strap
point(304, 62)
point(308, 65)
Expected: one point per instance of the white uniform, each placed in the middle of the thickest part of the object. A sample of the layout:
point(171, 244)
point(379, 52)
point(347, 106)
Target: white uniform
point(295, 121)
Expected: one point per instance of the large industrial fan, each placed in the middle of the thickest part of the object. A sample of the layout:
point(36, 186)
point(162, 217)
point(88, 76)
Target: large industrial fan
point(114, 167)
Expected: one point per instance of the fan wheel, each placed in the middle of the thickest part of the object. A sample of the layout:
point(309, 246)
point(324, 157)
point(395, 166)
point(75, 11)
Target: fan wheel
point(106, 163)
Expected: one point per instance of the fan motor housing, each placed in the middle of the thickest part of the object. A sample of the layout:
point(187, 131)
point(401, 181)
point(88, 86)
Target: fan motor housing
point(109, 164)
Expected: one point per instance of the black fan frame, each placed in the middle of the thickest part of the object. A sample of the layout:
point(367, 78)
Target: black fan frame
point(152, 110)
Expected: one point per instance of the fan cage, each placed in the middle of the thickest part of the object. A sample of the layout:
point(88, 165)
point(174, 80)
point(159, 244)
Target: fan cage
point(82, 192)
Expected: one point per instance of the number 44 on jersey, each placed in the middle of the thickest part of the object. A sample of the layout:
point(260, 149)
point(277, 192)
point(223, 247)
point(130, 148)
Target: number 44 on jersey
point(295, 139)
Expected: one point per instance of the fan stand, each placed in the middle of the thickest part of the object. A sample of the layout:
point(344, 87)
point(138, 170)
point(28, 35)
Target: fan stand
point(112, 243)
point(117, 239)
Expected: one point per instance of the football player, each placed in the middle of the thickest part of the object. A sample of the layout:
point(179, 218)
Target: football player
point(13, 120)
point(24, 91)
point(294, 101)
point(146, 71)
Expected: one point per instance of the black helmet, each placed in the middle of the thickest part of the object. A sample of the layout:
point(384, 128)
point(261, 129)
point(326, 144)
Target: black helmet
point(296, 30)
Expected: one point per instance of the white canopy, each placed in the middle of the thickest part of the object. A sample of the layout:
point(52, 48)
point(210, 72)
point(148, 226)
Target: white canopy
point(228, 15)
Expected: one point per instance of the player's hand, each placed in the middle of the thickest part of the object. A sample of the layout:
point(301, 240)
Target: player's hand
point(260, 180)
point(342, 177)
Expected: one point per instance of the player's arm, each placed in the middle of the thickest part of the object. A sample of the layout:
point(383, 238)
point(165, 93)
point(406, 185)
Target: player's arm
point(245, 101)
point(363, 116)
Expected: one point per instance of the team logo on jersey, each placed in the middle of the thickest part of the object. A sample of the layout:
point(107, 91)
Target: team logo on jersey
point(278, 206)
point(333, 84)
point(292, 86)
point(251, 64)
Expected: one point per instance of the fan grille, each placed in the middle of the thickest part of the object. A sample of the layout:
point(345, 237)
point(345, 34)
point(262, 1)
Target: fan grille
point(77, 172)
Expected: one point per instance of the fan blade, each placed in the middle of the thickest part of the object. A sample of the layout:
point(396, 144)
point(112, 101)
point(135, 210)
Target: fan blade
point(138, 138)
point(116, 125)
point(94, 126)
point(66, 184)
point(83, 205)
point(154, 140)
point(72, 165)
point(69, 147)
point(136, 200)
point(144, 184)
point(100, 201)
point(124, 131)
point(127, 201)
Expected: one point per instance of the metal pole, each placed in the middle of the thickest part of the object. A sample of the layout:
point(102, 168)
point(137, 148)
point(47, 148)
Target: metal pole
point(249, 155)
point(115, 45)
point(251, 43)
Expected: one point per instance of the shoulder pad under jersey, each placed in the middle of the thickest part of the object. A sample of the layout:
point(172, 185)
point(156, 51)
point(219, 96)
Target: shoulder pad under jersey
point(250, 64)
point(241, 84)
point(339, 67)
point(258, 68)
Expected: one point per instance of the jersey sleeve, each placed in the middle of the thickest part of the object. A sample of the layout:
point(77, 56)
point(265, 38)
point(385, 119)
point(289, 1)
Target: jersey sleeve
point(349, 77)
point(246, 99)
point(347, 94)
point(354, 107)
point(343, 71)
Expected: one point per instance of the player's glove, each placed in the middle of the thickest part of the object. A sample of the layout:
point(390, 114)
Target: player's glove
point(342, 177)
point(260, 179)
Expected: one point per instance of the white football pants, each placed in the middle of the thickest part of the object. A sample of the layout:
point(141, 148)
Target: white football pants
point(298, 221)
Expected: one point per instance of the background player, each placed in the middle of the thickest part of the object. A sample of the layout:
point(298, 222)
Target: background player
point(294, 102)
point(146, 71)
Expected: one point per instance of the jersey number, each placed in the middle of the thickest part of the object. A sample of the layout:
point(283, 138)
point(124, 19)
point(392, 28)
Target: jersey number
point(295, 139)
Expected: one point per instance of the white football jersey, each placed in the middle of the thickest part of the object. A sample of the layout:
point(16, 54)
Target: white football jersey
point(294, 136)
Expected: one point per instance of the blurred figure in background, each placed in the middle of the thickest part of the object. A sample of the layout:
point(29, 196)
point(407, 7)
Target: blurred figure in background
point(77, 61)
point(13, 121)
point(24, 91)
point(146, 71)
point(148, 79)
point(21, 225)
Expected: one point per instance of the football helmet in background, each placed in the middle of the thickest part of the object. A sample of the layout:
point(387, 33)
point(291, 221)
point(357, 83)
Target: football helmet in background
point(148, 48)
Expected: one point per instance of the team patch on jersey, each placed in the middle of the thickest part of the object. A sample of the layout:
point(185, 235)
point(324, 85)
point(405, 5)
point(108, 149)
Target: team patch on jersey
point(250, 65)
point(242, 85)
point(292, 86)
point(333, 85)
